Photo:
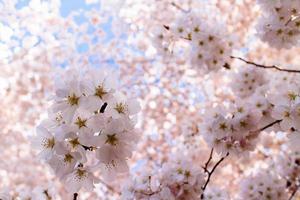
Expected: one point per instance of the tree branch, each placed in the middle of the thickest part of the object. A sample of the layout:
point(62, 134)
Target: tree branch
point(271, 124)
point(294, 193)
point(208, 161)
point(212, 170)
point(266, 66)
point(180, 8)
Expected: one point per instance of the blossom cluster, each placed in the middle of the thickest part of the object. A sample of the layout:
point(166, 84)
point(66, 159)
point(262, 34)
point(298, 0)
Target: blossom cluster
point(209, 45)
point(90, 126)
point(288, 166)
point(176, 179)
point(287, 108)
point(279, 25)
point(47, 192)
point(90, 132)
point(216, 193)
point(246, 81)
point(234, 132)
point(264, 186)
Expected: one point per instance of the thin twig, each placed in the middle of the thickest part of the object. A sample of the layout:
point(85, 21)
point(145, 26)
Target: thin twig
point(294, 193)
point(271, 124)
point(211, 172)
point(266, 66)
point(180, 8)
point(47, 195)
point(209, 159)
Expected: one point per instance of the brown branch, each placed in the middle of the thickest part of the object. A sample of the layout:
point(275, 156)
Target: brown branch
point(266, 66)
point(271, 124)
point(180, 8)
point(208, 161)
point(211, 171)
point(294, 193)
point(46, 193)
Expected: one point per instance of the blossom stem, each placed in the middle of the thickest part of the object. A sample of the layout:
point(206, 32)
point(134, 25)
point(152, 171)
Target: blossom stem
point(266, 66)
point(75, 195)
point(212, 170)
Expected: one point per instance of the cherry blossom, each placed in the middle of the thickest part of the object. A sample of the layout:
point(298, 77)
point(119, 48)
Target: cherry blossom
point(147, 99)
point(97, 120)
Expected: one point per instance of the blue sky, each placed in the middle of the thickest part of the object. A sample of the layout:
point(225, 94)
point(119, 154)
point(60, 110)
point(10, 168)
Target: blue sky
point(67, 6)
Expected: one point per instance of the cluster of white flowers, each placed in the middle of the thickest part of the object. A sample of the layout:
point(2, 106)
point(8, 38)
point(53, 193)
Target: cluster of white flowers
point(161, 39)
point(280, 24)
point(177, 180)
point(288, 166)
point(210, 48)
point(46, 192)
point(263, 186)
point(234, 132)
point(90, 126)
point(246, 81)
point(209, 44)
point(216, 193)
point(287, 107)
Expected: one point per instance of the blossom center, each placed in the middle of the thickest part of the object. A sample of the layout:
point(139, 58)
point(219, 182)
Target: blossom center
point(73, 99)
point(111, 139)
point(120, 108)
point(292, 96)
point(100, 91)
point(49, 143)
point(80, 174)
point(74, 142)
point(80, 122)
point(68, 158)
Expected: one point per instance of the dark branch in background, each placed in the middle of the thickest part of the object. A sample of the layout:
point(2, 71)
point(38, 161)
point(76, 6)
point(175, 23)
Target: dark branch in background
point(103, 107)
point(209, 173)
point(208, 161)
point(271, 124)
point(266, 66)
point(180, 8)
point(294, 193)
point(75, 195)
point(46, 193)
